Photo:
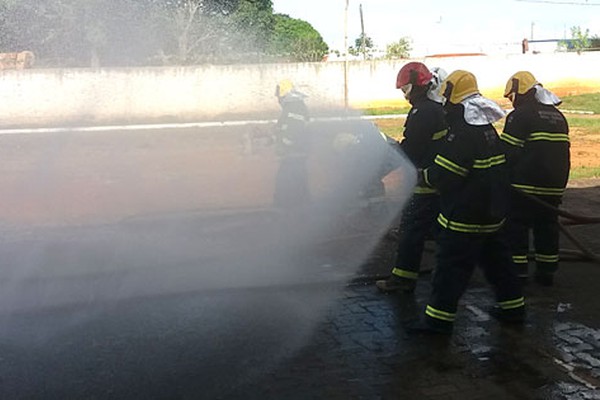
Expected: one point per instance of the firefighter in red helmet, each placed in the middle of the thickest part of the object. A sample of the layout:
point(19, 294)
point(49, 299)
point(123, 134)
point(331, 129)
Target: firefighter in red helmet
point(536, 139)
point(425, 127)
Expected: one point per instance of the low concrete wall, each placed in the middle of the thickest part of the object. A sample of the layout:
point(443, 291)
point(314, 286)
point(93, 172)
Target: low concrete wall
point(75, 96)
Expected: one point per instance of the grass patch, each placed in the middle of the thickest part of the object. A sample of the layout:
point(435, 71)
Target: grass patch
point(584, 172)
point(386, 111)
point(393, 128)
point(592, 124)
point(582, 102)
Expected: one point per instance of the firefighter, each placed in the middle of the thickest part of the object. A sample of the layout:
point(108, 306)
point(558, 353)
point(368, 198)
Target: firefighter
point(292, 146)
point(424, 128)
point(471, 175)
point(536, 140)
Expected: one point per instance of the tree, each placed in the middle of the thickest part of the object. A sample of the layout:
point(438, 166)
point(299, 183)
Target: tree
point(358, 48)
point(213, 30)
point(296, 40)
point(76, 32)
point(400, 49)
point(80, 33)
point(250, 29)
point(580, 40)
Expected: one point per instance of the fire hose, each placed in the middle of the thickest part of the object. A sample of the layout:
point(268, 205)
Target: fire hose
point(582, 253)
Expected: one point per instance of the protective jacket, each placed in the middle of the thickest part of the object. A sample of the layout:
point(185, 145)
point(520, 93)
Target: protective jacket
point(291, 133)
point(536, 141)
point(471, 175)
point(424, 129)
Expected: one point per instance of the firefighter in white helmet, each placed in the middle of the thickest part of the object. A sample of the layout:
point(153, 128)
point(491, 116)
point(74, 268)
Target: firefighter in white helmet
point(536, 139)
point(424, 129)
point(471, 175)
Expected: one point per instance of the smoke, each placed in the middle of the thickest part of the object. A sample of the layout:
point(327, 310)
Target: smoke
point(112, 220)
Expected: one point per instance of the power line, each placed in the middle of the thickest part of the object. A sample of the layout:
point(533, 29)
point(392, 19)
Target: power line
point(571, 3)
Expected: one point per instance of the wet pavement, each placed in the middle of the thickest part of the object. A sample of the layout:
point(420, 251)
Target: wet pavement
point(336, 340)
point(106, 300)
point(362, 352)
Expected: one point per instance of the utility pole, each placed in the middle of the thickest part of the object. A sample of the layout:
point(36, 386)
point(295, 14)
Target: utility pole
point(363, 43)
point(532, 25)
point(346, 56)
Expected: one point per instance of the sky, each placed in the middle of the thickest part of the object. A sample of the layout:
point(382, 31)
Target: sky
point(443, 26)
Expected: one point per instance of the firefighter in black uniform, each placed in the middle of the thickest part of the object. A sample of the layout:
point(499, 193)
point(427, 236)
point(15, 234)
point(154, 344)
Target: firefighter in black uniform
point(471, 175)
point(292, 145)
point(536, 139)
point(425, 127)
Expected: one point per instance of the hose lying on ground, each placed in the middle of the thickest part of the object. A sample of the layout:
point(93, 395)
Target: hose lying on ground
point(571, 219)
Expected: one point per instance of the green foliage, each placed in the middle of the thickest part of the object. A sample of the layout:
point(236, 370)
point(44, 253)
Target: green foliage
point(580, 40)
point(76, 32)
point(400, 49)
point(584, 172)
point(362, 45)
point(296, 40)
point(80, 33)
point(582, 102)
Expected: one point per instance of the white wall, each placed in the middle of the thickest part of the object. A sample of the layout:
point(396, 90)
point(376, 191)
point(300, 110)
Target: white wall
point(77, 96)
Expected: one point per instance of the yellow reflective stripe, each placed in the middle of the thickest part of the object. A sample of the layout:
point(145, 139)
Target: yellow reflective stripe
point(439, 314)
point(546, 191)
point(512, 140)
point(489, 162)
point(550, 137)
point(519, 259)
point(450, 166)
point(424, 190)
point(426, 177)
point(512, 304)
point(439, 135)
point(549, 258)
point(405, 274)
point(468, 228)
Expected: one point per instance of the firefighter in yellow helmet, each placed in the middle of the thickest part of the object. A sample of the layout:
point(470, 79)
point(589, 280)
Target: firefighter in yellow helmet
point(292, 146)
point(471, 175)
point(536, 141)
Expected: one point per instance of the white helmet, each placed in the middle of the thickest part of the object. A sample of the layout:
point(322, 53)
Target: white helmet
point(439, 75)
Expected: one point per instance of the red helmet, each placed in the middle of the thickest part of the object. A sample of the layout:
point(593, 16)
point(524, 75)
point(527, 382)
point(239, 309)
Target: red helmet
point(414, 73)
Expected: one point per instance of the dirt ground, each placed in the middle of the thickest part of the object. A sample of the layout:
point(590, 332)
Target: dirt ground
point(585, 146)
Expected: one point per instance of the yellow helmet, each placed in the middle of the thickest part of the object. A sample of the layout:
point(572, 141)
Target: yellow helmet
point(520, 83)
point(283, 87)
point(458, 86)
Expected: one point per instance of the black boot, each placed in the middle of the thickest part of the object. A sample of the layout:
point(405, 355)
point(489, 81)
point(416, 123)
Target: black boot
point(544, 278)
point(513, 316)
point(426, 326)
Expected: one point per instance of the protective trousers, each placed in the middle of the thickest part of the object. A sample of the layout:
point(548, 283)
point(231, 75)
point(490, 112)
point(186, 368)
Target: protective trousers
point(457, 257)
point(528, 215)
point(416, 226)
